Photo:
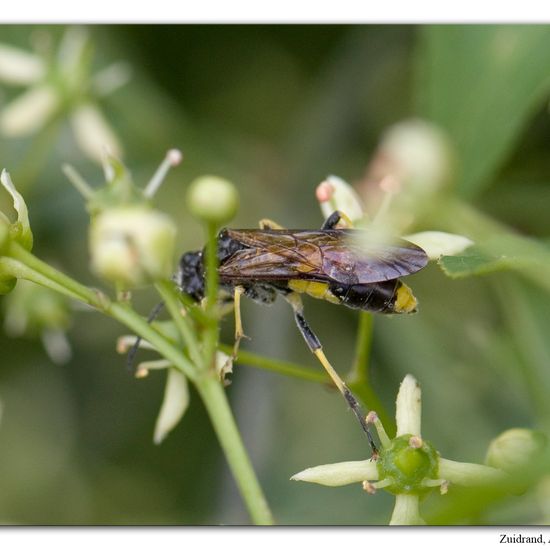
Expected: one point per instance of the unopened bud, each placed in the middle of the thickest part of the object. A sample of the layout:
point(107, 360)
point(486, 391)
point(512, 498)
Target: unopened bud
point(212, 199)
point(515, 448)
point(132, 245)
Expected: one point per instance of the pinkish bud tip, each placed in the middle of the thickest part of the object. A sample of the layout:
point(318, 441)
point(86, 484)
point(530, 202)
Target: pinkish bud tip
point(371, 417)
point(174, 156)
point(324, 191)
point(415, 442)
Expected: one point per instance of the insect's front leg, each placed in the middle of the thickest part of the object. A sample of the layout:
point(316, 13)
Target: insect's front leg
point(266, 223)
point(315, 346)
point(239, 333)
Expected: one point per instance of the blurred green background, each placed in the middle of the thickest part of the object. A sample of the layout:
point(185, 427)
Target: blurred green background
point(275, 109)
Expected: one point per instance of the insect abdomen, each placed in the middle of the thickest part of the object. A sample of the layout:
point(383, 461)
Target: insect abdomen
point(383, 297)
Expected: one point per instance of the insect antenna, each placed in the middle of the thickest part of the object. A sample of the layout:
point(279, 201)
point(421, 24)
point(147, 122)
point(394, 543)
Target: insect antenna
point(134, 349)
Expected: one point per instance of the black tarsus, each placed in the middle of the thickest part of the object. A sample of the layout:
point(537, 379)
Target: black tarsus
point(332, 221)
point(133, 350)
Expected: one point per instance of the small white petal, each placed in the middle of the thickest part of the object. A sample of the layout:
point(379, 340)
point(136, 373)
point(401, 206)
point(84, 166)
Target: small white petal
point(93, 133)
point(438, 243)
point(19, 67)
point(343, 198)
point(408, 407)
point(406, 511)
point(111, 78)
point(174, 405)
point(224, 365)
point(20, 206)
point(29, 112)
point(57, 346)
point(469, 475)
point(341, 473)
point(71, 49)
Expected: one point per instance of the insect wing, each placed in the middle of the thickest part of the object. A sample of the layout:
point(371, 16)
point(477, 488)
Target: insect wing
point(344, 256)
point(358, 260)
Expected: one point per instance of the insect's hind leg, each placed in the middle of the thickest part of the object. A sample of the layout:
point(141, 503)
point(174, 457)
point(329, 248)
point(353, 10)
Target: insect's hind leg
point(315, 346)
point(337, 218)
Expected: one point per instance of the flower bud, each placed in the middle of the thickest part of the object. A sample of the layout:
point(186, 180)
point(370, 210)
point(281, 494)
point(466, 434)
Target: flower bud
point(132, 245)
point(212, 199)
point(416, 153)
point(335, 194)
point(515, 448)
point(20, 230)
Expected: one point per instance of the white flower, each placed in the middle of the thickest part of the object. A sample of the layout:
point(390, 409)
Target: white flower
point(408, 466)
point(61, 85)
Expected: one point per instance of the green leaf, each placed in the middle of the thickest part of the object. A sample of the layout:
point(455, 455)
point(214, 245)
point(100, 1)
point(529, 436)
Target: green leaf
point(502, 253)
point(482, 83)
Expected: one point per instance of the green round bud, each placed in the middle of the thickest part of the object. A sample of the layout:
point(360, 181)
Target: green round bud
point(408, 466)
point(212, 199)
point(514, 449)
point(132, 245)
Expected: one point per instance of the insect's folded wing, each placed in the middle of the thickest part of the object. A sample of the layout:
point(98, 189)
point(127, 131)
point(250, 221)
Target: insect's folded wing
point(370, 263)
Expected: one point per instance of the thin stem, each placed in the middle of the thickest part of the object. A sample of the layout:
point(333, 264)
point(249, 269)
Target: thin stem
point(168, 294)
point(20, 271)
point(30, 267)
point(360, 368)
point(211, 333)
point(91, 297)
point(228, 434)
point(26, 265)
point(276, 365)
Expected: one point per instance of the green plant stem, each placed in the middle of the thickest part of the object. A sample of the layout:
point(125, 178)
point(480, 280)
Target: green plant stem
point(85, 294)
point(215, 400)
point(275, 365)
point(360, 368)
point(168, 294)
point(23, 264)
point(211, 334)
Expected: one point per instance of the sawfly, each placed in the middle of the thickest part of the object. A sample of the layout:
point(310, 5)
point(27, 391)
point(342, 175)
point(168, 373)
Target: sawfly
point(334, 264)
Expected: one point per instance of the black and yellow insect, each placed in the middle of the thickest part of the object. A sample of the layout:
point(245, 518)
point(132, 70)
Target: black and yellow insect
point(332, 264)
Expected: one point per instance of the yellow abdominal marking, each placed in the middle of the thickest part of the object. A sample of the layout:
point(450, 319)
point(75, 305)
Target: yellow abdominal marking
point(315, 289)
point(405, 302)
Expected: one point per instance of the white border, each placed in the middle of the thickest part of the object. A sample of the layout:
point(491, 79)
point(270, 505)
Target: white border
point(280, 11)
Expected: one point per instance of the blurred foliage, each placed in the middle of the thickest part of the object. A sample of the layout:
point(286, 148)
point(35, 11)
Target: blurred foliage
point(275, 109)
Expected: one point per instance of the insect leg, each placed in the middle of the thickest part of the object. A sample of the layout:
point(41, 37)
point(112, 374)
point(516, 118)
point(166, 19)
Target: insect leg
point(337, 217)
point(266, 223)
point(133, 350)
point(239, 334)
point(315, 346)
